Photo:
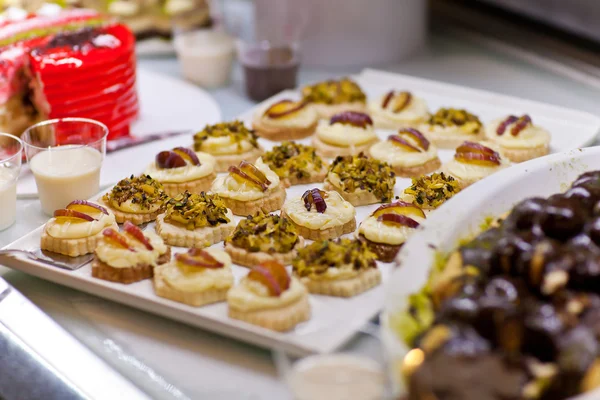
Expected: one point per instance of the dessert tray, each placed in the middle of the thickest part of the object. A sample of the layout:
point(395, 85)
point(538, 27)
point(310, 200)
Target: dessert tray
point(334, 320)
point(449, 225)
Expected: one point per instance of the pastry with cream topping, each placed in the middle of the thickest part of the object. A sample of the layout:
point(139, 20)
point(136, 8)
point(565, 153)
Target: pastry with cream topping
point(249, 188)
point(344, 134)
point(286, 120)
point(408, 152)
point(386, 230)
point(195, 278)
point(335, 96)
point(449, 127)
point(428, 192)
point(296, 164)
point(270, 298)
point(138, 199)
point(182, 169)
point(361, 180)
point(263, 237)
point(343, 268)
point(518, 138)
point(195, 220)
point(128, 256)
point(229, 143)
point(76, 229)
point(474, 161)
point(397, 110)
point(320, 215)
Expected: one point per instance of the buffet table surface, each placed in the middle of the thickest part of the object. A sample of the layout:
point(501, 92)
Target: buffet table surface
point(171, 360)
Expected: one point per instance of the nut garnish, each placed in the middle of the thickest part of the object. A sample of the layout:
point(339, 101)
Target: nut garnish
point(196, 210)
point(363, 173)
point(235, 130)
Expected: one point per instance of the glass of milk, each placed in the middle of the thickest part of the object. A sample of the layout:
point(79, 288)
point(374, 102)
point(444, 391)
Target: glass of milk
point(65, 156)
point(11, 154)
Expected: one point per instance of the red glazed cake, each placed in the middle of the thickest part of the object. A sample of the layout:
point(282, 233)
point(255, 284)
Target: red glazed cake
point(77, 63)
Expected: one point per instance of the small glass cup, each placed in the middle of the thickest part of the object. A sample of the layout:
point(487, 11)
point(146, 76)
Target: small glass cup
point(65, 156)
point(11, 154)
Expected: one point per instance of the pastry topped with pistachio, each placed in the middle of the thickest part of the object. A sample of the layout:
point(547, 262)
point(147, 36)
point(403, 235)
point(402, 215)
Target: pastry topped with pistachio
point(518, 138)
point(431, 191)
point(474, 161)
point(449, 127)
point(229, 142)
point(361, 180)
point(195, 220)
point(398, 109)
point(286, 120)
point(344, 267)
point(334, 96)
point(249, 188)
point(296, 164)
point(263, 237)
point(346, 133)
point(138, 199)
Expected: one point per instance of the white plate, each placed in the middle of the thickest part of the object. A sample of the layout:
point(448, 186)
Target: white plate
point(334, 320)
point(462, 217)
point(166, 104)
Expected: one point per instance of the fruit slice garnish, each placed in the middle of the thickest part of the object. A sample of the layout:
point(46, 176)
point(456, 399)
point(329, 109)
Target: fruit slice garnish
point(117, 239)
point(397, 219)
point(86, 207)
point(386, 100)
point(511, 119)
point(64, 215)
point(358, 119)
point(400, 208)
point(315, 197)
point(284, 108)
point(187, 154)
point(521, 124)
point(254, 172)
point(475, 153)
point(399, 141)
point(416, 136)
point(401, 101)
point(137, 234)
point(169, 159)
point(273, 275)
point(198, 258)
point(243, 176)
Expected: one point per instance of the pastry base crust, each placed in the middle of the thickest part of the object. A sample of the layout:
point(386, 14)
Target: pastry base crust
point(249, 259)
point(196, 186)
point(278, 134)
point(267, 204)
point(72, 247)
point(324, 234)
point(137, 273)
point(136, 219)
point(200, 238)
point(443, 141)
point(194, 299)
point(345, 287)
point(329, 151)
point(362, 198)
point(327, 111)
point(385, 252)
point(416, 171)
point(224, 161)
point(278, 319)
point(520, 155)
point(314, 178)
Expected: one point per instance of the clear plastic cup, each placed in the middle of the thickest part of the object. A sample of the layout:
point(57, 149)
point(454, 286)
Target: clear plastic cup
point(11, 154)
point(65, 156)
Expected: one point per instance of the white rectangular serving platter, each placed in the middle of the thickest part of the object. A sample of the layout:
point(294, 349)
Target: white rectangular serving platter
point(334, 320)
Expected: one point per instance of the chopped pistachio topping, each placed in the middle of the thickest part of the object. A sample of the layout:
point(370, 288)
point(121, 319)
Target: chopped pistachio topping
point(363, 173)
point(431, 191)
point(196, 210)
point(319, 256)
point(235, 130)
point(266, 233)
point(141, 190)
point(467, 122)
point(334, 92)
point(293, 159)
